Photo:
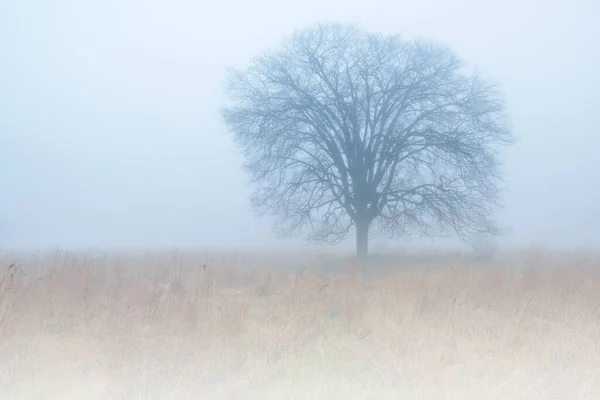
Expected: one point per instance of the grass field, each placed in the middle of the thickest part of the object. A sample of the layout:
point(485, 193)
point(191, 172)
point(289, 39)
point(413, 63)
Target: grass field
point(233, 326)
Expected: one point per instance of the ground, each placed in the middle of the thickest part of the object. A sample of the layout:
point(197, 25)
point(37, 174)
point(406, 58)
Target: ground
point(102, 326)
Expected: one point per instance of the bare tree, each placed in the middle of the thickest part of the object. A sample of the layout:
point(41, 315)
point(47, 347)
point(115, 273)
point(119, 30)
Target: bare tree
point(343, 128)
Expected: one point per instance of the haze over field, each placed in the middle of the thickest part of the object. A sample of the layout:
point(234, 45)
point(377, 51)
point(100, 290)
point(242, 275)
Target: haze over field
point(110, 132)
point(117, 124)
point(162, 328)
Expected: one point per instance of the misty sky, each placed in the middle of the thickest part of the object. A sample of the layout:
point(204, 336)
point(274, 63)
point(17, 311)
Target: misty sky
point(111, 133)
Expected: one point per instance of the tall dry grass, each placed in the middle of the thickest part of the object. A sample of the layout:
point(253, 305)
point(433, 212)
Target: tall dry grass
point(185, 326)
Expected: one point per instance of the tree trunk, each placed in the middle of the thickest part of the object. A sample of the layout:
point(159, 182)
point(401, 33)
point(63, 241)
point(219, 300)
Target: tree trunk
point(362, 238)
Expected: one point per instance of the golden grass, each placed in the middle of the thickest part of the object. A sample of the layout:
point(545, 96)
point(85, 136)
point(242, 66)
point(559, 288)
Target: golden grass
point(76, 326)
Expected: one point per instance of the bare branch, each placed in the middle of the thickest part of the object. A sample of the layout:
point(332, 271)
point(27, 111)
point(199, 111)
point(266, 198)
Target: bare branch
point(343, 128)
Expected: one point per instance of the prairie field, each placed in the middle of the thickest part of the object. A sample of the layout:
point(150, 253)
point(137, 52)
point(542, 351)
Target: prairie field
point(286, 326)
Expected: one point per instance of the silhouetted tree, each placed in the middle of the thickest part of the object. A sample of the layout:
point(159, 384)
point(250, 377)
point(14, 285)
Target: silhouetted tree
point(343, 128)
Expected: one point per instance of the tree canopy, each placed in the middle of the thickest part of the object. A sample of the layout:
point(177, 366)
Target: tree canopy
point(341, 127)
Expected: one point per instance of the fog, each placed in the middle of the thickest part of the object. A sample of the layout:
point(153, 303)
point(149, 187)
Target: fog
point(111, 133)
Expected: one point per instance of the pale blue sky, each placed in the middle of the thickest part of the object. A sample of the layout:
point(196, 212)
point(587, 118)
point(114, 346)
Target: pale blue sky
point(110, 132)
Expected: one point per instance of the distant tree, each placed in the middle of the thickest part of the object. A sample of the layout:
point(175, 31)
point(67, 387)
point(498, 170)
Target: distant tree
point(342, 128)
point(483, 245)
